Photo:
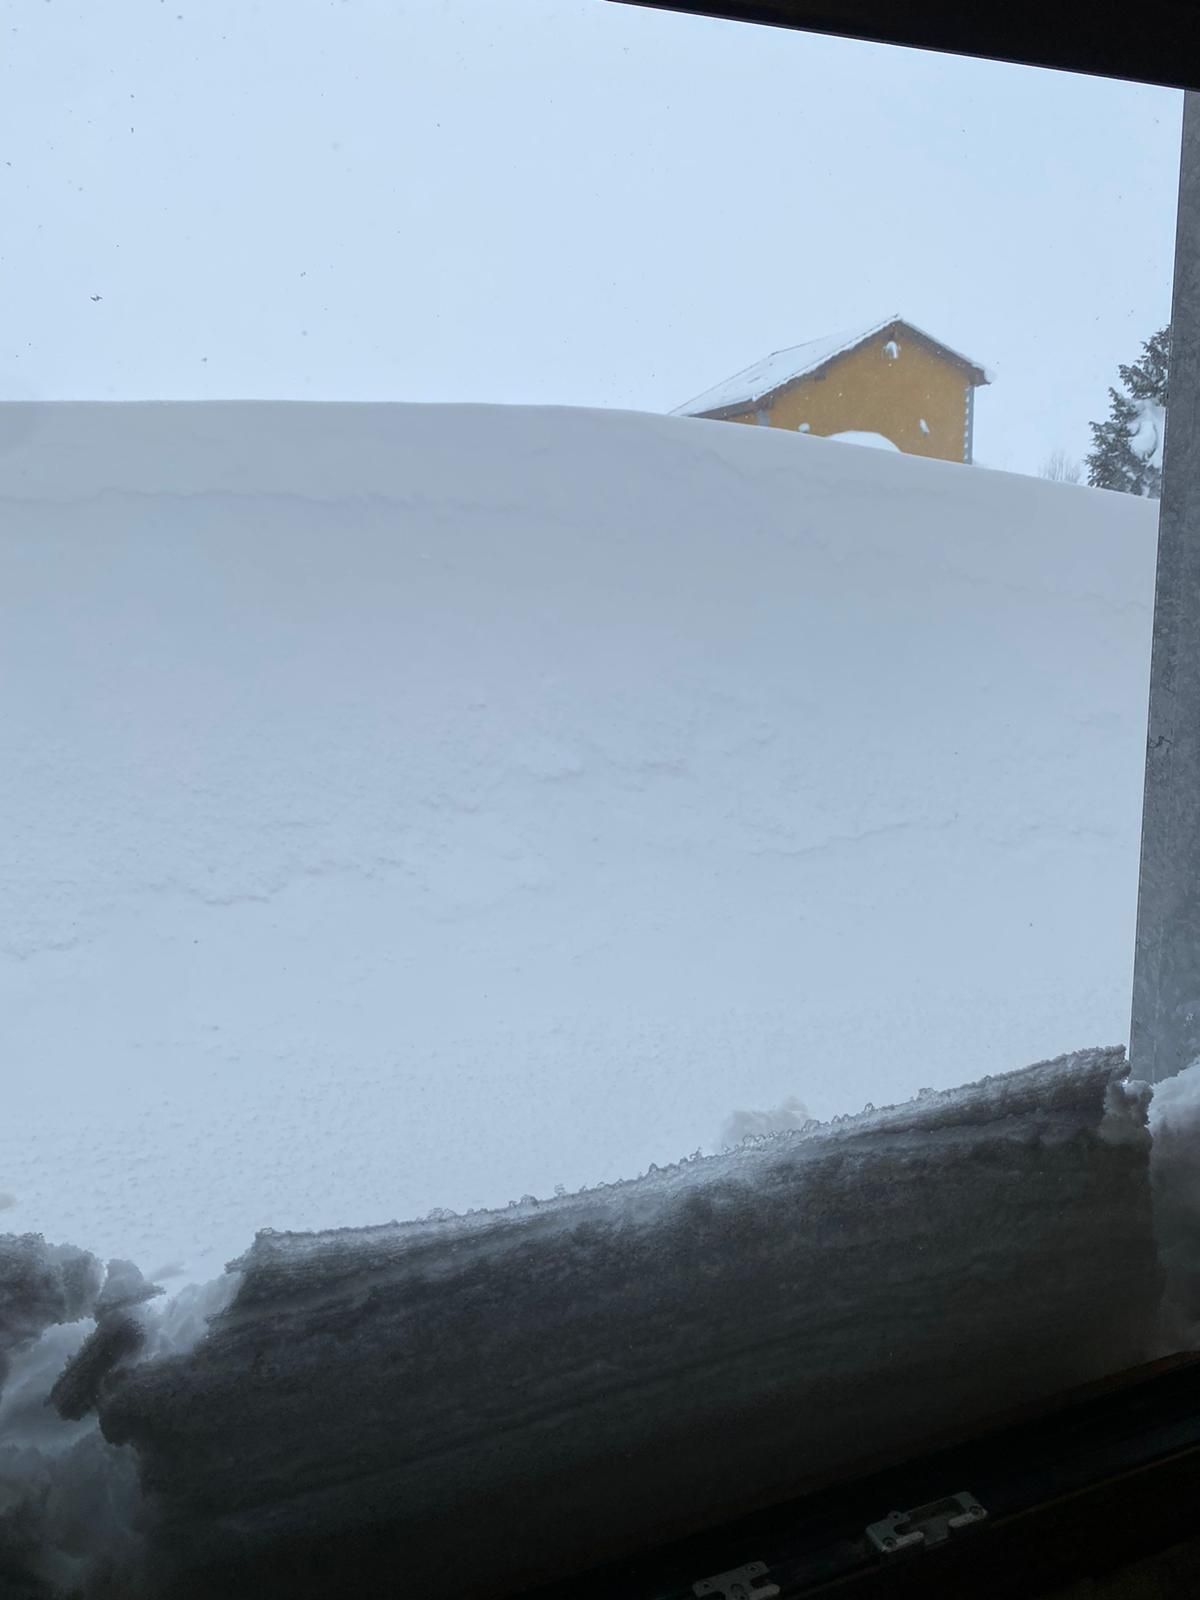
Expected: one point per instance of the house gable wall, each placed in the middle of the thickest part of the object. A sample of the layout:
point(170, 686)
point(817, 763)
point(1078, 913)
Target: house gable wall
point(869, 391)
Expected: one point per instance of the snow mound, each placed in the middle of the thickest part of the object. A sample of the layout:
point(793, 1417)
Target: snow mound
point(874, 441)
point(422, 806)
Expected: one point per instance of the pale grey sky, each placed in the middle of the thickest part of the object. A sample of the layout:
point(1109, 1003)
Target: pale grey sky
point(555, 201)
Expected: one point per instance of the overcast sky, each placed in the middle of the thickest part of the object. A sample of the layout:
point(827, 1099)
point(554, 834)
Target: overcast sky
point(559, 201)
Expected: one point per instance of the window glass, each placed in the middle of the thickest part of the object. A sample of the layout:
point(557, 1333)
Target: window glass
point(575, 586)
point(421, 807)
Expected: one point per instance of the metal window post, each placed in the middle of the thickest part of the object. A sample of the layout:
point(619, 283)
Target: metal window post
point(1165, 1030)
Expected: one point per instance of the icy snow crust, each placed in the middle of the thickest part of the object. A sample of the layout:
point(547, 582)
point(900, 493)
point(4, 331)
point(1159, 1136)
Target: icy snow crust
point(412, 806)
point(608, 1366)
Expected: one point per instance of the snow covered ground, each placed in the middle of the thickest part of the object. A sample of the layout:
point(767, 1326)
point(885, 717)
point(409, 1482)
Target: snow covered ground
point(408, 807)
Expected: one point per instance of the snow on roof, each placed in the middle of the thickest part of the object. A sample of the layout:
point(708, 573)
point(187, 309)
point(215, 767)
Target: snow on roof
point(801, 361)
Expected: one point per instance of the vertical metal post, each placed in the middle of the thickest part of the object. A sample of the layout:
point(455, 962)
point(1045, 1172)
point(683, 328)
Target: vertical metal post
point(1165, 1031)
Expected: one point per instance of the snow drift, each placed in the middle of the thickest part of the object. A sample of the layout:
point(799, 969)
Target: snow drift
point(409, 807)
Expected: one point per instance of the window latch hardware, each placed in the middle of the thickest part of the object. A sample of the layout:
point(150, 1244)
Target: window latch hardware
point(740, 1584)
point(923, 1528)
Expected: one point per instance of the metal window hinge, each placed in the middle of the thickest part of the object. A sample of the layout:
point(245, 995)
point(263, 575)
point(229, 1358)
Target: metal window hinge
point(904, 1532)
point(740, 1584)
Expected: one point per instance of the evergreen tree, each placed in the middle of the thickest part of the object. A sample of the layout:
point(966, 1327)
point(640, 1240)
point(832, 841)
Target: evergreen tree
point(1126, 449)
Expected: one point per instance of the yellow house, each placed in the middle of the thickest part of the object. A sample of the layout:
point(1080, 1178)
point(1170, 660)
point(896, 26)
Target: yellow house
point(887, 384)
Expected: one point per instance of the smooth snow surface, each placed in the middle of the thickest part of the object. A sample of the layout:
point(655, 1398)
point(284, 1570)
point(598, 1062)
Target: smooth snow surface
point(408, 807)
point(755, 382)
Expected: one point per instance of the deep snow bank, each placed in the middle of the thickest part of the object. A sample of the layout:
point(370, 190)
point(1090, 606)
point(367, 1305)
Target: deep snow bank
point(609, 1366)
point(420, 806)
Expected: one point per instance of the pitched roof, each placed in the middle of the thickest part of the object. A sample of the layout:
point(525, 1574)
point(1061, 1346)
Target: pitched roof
point(775, 372)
